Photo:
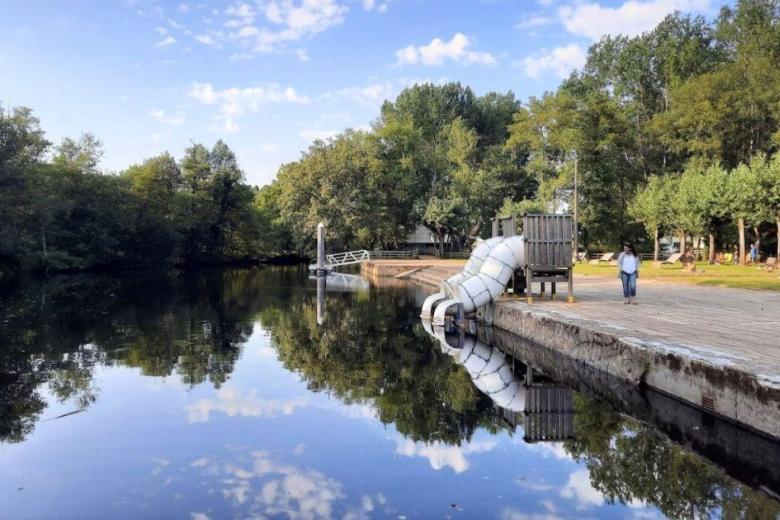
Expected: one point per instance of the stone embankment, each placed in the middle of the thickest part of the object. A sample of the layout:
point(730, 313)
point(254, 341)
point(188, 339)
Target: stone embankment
point(717, 349)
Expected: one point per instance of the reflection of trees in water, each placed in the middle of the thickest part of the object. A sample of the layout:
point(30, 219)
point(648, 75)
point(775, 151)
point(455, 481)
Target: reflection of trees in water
point(372, 349)
point(629, 461)
point(55, 333)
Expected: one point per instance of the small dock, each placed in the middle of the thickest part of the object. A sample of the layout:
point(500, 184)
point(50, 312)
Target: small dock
point(429, 271)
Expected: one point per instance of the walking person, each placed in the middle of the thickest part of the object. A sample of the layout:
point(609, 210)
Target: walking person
point(628, 268)
point(753, 253)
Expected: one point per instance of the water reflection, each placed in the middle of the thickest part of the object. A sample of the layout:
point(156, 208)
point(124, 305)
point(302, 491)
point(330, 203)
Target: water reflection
point(257, 393)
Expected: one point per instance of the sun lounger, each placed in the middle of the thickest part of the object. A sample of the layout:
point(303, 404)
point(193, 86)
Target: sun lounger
point(673, 259)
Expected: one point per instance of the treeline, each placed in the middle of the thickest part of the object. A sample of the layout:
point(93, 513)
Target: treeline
point(670, 132)
point(687, 96)
point(704, 199)
point(58, 211)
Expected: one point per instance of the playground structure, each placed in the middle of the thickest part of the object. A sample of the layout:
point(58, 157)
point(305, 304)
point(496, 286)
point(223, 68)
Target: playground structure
point(543, 254)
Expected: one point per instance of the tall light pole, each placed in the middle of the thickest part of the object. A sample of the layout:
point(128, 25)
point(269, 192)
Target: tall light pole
point(576, 219)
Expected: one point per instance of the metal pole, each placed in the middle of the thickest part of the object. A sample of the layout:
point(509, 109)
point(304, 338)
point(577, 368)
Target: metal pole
point(320, 248)
point(576, 219)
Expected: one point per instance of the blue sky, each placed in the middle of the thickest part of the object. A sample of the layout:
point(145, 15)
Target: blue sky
point(269, 76)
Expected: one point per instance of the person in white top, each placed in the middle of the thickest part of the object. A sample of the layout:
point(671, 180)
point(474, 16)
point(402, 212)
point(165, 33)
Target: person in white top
point(628, 270)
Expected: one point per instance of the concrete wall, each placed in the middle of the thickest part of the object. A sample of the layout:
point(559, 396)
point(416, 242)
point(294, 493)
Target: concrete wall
point(671, 369)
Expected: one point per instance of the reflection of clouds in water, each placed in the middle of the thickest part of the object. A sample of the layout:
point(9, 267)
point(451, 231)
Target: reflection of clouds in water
point(512, 514)
point(264, 487)
point(546, 449)
point(230, 401)
point(284, 490)
point(579, 488)
point(440, 455)
point(550, 513)
point(358, 411)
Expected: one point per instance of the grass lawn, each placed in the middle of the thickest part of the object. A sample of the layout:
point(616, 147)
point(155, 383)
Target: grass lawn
point(735, 276)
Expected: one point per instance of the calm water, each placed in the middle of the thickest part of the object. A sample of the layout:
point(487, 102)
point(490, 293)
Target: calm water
point(220, 396)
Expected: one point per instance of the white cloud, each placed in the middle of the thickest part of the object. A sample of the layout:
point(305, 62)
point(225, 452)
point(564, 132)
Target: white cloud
point(239, 15)
point(632, 17)
point(579, 488)
point(534, 22)
point(164, 119)
point(166, 41)
point(373, 5)
point(561, 61)
point(442, 455)
point(234, 102)
point(231, 402)
point(438, 52)
point(290, 21)
point(205, 39)
point(369, 95)
point(302, 55)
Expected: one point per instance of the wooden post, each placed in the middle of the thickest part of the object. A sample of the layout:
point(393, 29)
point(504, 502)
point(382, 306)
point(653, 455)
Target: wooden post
point(529, 294)
point(571, 285)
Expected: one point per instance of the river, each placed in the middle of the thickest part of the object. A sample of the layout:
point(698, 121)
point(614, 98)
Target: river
point(219, 395)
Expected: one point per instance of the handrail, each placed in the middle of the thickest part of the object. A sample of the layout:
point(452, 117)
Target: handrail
point(349, 257)
point(362, 255)
point(387, 255)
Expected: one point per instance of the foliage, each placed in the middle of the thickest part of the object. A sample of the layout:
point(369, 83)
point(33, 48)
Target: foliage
point(65, 214)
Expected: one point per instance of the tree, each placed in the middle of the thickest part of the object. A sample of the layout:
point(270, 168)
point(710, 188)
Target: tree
point(82, 156)
point(443, 216)
point(742, 189)
point(651, 207)
point(769, 193)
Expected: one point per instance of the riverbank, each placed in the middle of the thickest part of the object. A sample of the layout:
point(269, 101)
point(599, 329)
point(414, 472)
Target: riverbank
point(712, 347)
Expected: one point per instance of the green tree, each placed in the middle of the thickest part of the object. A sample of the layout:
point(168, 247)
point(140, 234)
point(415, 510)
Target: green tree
point(83, 155)
point(650, 206)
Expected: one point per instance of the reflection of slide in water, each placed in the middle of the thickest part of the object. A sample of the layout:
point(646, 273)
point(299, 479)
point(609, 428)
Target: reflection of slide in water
point(487, 366)
point(545, 408)
point(482, 280)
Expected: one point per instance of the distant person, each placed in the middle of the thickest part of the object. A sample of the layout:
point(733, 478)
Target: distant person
point(753, 253)
point(628, 268)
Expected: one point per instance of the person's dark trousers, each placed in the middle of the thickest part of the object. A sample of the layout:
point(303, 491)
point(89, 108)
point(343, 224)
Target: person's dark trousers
point(629, 284)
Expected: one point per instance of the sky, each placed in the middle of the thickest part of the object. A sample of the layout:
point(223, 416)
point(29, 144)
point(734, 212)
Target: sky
point(270, 76)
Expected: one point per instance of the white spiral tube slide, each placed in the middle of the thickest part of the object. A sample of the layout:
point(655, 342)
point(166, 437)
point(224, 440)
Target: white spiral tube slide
point(477, 291)
point(472, 267)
